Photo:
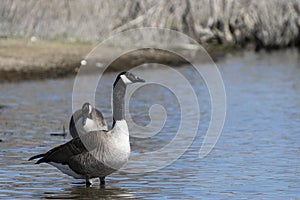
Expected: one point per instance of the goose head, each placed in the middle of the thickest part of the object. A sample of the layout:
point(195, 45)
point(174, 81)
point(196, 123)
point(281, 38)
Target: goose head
point(128, 78)
point(88, 123)
point(87, 110)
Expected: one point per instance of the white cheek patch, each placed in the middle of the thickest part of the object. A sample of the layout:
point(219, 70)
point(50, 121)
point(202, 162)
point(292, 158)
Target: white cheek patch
point(90, 125)
point(90, 109)
point(125, 79)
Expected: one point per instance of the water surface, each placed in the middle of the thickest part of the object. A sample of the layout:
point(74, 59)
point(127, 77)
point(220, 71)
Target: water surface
point(257, 155)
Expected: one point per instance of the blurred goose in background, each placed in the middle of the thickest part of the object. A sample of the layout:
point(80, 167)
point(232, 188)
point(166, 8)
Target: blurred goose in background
point(98, 153)
point(85, 120)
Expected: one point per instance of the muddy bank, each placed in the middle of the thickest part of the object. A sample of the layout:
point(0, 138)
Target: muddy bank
point(22, 59)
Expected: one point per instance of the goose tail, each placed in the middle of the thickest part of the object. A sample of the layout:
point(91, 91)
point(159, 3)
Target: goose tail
point(37, 156)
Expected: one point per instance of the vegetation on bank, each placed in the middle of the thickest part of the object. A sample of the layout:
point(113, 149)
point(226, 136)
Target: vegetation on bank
point(264, 24)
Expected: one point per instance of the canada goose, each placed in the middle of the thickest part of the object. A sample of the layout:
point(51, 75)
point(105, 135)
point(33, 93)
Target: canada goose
point(85, 120)
point(98, 153)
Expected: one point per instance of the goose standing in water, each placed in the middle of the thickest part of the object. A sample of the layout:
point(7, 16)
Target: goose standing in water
point(85, 120)
point(98, 153)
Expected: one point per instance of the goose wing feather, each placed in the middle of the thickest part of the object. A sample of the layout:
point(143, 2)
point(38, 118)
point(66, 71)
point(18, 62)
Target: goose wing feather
point(63, 153)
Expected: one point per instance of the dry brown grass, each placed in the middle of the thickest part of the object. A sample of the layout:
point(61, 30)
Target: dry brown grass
point(265, 23)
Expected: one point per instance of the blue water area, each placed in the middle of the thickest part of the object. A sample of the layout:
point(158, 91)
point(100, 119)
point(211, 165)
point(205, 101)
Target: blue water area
point(257, 155)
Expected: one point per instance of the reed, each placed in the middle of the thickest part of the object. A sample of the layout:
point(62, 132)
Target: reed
point(264, 23)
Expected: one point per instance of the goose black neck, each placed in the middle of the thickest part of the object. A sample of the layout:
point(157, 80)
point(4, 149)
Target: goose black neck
point(118, 101)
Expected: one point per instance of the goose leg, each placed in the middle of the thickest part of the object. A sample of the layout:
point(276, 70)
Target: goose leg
point(102, 180)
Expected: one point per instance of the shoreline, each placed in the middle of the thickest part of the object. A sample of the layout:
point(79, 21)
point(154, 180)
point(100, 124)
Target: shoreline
point(22, 59)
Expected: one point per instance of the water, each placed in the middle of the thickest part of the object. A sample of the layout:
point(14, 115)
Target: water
point(257, 155)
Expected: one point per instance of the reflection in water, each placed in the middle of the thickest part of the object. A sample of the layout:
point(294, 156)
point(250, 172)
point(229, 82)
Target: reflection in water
point(81, 192)
point(257, 155)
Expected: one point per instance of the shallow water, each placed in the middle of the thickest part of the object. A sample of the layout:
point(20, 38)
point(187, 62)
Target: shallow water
point(257, 155)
